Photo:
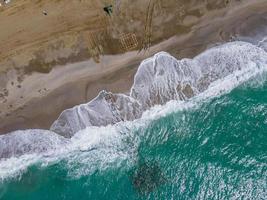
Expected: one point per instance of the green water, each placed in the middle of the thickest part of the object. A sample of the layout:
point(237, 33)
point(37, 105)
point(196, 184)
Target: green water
point(217, 150)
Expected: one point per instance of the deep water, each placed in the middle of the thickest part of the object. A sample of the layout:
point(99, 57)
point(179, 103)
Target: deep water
point(215, 150)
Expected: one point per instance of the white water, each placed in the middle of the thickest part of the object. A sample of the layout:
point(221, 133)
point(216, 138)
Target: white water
point(214, 72)
point(160, 79)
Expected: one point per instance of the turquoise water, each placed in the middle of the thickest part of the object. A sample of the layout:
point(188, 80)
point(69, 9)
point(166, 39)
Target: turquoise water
point(216, 150)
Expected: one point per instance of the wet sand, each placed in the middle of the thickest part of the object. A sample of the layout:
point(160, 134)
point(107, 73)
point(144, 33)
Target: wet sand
point(38, 99)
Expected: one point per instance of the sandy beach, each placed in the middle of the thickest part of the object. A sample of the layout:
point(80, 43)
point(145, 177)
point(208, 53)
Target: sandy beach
point(48, 64)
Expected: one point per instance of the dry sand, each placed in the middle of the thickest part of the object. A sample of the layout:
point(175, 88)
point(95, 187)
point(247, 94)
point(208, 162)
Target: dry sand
point(76, 68)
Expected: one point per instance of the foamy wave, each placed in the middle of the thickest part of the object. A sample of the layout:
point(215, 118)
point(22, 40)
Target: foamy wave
point(159, 80)
point(105, 109)
point(94, 148)
point(19, 143)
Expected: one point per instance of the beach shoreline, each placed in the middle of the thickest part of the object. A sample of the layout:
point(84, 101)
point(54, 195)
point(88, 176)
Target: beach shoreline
point(39, 99)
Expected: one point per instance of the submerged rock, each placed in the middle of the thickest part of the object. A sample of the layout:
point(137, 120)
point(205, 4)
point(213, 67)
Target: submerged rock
point(148, 177)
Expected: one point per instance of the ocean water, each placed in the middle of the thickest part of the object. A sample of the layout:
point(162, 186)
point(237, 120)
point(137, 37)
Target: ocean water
point(211, 145)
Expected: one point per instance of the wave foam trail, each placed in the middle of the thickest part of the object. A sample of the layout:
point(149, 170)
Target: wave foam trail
point(105, 109)
point(20, 149)
point(28, 142)
point(81, 136)
point(90, 149)
point(160, 79)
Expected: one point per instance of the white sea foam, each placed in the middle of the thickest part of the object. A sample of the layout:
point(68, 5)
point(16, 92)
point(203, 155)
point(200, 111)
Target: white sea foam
point(160, 79)
point(213, 73)
point(19, 143)
point(105, 109)
point(90, 149)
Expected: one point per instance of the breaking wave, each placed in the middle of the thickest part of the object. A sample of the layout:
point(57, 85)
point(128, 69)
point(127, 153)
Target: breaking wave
point(101, 132)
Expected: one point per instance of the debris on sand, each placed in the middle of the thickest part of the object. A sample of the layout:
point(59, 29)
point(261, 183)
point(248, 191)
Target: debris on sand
point(44, 12)
point(108, 9)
